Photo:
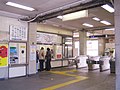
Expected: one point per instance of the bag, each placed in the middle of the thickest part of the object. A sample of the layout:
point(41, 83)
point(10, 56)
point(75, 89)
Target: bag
point(42, 54)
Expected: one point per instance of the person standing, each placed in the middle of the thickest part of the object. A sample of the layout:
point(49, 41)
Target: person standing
point(37, 56)
point(48, 59)
point(37, 59)
point(41, 58)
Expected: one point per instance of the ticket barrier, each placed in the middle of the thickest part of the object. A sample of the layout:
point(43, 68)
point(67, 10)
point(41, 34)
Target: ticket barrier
point(82, 61)
point(104, 63)
point(73, 61)
point(93, 63)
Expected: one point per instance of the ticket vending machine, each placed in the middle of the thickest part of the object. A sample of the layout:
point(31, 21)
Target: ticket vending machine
point(17, 59)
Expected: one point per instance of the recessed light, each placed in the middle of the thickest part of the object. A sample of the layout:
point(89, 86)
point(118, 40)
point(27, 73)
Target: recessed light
point(105, 22)
point(60, 17)
point(88, 25)
point(108, 8)
point(20, 6)
point(96, 19)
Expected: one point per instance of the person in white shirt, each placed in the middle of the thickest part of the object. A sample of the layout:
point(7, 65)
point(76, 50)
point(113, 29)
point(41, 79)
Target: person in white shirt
point(41, 59)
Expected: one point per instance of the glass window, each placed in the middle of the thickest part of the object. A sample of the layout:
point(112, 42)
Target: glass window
point(92, 47)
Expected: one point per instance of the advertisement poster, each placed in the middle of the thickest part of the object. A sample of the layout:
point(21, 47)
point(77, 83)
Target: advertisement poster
point(13, 53)
point(3, 55)
point(58, 52)
point(32, 52)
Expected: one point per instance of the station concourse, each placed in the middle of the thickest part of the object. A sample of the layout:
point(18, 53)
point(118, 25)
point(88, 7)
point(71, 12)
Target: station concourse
point(84, 54)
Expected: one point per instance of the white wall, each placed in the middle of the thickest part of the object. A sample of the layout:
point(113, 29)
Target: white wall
point(5, 22)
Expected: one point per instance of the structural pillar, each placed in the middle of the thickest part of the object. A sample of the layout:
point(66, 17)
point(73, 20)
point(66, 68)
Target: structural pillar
point(31, 44)
point(101, 46)
point(83, 39)
point(117, 42)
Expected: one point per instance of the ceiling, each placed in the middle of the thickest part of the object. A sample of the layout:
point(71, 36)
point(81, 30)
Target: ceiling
point(42, 6)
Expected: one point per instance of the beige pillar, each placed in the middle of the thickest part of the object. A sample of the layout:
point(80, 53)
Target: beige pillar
point(101, 46)
point(31, 44)
point(83, 40)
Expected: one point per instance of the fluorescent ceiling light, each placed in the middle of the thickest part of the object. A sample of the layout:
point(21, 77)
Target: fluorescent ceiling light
point(110, 29)
point(96, 19)
point(105, 22)
point(60, 17)
point(108, 8)
point(20, 6)
point(75, 15)
point(88, 25)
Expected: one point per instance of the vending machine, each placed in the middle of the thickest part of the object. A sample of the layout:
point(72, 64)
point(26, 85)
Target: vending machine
point(17, 59)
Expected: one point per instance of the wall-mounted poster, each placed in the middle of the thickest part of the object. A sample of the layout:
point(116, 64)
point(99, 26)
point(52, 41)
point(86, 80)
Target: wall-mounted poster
point(32, 52)
point(3, 55)
point(58, 52)
point(18, 33)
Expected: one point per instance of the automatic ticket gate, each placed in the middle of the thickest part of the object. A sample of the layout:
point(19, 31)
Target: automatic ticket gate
point(104, 63)
point(93, 63)
point(98, 62)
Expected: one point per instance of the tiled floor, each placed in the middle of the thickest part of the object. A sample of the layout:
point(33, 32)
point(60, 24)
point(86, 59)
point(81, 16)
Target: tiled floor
point(62, 79)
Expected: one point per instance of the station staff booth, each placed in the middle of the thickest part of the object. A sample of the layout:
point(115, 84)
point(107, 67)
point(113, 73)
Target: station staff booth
point(56, 43)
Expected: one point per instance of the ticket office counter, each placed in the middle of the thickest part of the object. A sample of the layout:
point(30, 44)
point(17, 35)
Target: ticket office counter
point(56, 63)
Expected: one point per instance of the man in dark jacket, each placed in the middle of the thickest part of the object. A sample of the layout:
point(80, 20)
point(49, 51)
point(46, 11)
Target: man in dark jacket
point(48, 59)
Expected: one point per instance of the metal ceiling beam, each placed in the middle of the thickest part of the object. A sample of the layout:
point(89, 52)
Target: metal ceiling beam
point(78, 6)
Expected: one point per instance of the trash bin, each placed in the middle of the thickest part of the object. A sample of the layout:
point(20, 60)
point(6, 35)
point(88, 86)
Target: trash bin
point(112, 65)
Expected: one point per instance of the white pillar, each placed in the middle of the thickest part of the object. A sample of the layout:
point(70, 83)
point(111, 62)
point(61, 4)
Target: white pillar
point(117, 42)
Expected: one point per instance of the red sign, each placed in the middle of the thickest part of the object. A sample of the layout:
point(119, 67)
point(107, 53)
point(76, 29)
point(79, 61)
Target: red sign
point(59, 55)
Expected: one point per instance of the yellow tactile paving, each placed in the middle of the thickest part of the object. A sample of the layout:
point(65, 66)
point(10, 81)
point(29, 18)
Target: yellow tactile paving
point(77, 79)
